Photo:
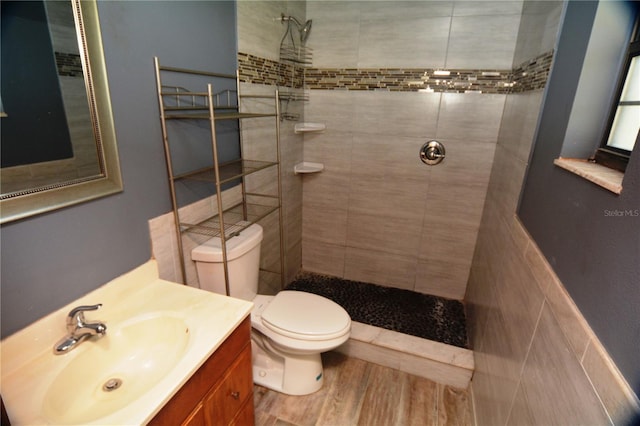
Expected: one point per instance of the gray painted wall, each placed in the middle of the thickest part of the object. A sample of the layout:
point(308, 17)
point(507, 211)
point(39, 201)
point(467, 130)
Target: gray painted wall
point(595, 252)
point(52, 259)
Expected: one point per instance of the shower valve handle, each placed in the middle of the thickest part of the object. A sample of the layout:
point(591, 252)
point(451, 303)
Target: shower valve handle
point(432, 153)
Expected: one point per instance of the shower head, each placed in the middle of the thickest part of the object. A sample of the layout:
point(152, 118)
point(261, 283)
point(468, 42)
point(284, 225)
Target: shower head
point(304, 30)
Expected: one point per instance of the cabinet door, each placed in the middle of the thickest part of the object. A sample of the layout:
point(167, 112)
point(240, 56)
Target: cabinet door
point(224, 403)
point(196, 418)
point(246, 416)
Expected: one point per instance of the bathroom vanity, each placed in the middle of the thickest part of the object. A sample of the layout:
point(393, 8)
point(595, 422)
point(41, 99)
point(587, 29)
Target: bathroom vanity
point(171, 354)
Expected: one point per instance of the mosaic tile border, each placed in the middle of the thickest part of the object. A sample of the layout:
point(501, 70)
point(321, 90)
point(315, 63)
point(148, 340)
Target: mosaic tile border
point(253, 69)
point(69, 64)
point(530, 75)
point(409, 80)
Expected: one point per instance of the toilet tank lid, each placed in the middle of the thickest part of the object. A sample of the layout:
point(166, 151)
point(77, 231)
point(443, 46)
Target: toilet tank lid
point(211, 250)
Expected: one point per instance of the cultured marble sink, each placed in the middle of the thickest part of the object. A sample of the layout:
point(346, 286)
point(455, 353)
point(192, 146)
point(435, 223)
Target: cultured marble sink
point(158, 335)
point(116, 368)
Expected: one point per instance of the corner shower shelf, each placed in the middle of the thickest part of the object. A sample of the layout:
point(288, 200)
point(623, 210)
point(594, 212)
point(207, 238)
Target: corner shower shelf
point(308, 167)
point(178, 103)
point(309, 127)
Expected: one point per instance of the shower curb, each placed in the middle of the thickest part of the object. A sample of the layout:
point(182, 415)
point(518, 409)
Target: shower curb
point(442, 363)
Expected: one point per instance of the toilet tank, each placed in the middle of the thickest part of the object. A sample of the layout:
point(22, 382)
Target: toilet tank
point(243, 259)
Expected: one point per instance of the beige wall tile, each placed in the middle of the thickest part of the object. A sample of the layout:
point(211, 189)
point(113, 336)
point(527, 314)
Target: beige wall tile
point(396, 114)
point(456, 203)
point(333, 107)
point(568, 316)
point(495, 8)
point(497, 370)
point(393, 234)
point(258, 33)
point(385, 214)
point(323, 258)
point(554, 389)
point(448, 241)
point(375, 34)
point(620, 401)
point(389, 158)
point(538, 29)
point(467, 165)
point(335, 33)
point(163, 247)
point(333, 149)
point(324, 224)
point(479, 301)
point(486, 41)
point(519, 301)
point(471, 117)
point(379, 267)
point(388, 36)
point(539, 267)
point(446, 278)
point(327, 189)
point(519, 123)
point(506, 181)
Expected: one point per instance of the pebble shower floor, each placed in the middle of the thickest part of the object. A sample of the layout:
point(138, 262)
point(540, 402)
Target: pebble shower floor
point(408, 312)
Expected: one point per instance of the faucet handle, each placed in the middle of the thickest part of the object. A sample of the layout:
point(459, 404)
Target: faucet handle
point(76, 315)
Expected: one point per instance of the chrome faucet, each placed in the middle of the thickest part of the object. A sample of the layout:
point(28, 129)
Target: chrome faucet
point(79, 329)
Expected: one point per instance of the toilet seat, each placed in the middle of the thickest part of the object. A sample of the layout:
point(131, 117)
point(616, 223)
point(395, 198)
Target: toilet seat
point(300, 316)
point(305, 316)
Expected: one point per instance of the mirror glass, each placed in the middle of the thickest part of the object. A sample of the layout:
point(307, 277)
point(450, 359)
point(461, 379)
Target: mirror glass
point(58, 140)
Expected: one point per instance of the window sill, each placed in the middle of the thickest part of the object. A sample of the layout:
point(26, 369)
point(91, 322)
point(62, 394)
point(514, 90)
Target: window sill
point(597, 173)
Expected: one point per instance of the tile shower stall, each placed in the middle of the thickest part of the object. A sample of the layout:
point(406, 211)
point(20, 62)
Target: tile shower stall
point(376, 213)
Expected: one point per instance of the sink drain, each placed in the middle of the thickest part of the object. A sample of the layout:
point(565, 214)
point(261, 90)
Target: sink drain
point(111, 385)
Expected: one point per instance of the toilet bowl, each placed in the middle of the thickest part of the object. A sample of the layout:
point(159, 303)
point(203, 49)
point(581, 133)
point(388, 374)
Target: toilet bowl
point(289, 330)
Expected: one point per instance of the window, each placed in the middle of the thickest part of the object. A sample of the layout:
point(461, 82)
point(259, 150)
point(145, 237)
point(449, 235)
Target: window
point(624, 122)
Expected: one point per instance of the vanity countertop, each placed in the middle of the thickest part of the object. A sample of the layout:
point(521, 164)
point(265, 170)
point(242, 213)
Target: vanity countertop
point(30, 369)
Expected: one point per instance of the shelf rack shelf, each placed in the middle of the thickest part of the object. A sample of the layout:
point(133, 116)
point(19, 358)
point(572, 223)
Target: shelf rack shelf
point(179, 103)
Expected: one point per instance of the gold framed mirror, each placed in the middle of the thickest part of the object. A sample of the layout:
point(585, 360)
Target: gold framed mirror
point(42, 196)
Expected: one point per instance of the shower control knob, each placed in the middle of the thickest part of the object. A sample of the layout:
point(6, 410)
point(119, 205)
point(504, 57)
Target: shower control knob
point(432, 153)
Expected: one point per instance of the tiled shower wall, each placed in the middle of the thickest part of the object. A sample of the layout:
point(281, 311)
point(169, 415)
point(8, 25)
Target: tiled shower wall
point(259, 35)
point(536, 359)
point(377, 213)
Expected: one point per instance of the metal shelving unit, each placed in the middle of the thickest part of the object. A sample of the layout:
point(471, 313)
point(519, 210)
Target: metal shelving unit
point(178, 103)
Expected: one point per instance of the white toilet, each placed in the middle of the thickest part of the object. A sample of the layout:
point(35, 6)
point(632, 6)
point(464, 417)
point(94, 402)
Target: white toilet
point(289, 330)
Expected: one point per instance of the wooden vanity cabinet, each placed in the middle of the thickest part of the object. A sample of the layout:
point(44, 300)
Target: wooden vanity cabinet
point(220, 392)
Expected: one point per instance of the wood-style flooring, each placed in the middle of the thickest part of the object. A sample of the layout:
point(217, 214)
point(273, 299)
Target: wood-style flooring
point(356, 392)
